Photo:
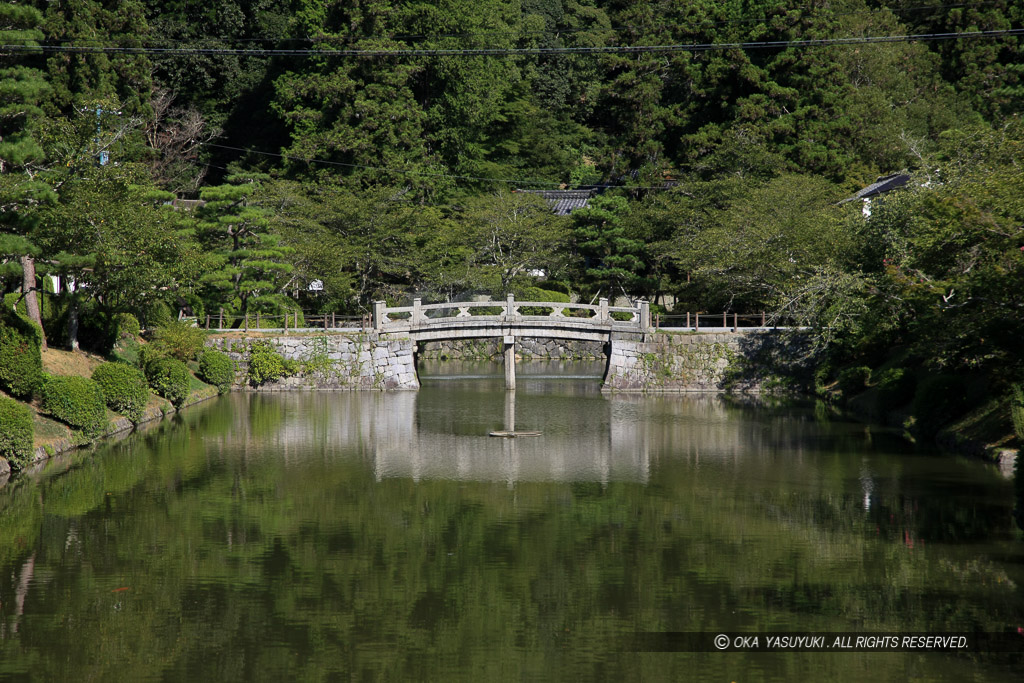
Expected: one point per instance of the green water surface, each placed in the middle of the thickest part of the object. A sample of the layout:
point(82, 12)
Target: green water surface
point(371, 536)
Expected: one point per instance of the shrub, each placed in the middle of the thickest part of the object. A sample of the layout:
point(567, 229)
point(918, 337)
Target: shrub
point(127, 325)
point(538, 294)
point(76, 401)
point(853, 380)
point(124, 389)
point(16, 432)
point(179, 340)
point(169, 377)
point(265, 364)
point(218, 369)
point(157, 314)
point(895, 388)
point(938, 400)
point(1017, 411)
point(21, 361)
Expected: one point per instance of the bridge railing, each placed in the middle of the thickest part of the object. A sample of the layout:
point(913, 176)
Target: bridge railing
point(388, 318)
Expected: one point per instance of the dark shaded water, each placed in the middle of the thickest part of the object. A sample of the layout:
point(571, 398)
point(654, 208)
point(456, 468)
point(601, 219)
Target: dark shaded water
point(339, 536)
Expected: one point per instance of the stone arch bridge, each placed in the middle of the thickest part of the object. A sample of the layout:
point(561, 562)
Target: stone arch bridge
point(510, 319)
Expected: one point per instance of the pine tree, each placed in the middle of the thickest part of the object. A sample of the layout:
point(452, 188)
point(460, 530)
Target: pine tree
point(22, 88)
point(246, 259)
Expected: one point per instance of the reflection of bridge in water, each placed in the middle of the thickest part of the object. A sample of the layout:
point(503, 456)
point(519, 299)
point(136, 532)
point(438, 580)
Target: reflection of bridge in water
point(586, 437)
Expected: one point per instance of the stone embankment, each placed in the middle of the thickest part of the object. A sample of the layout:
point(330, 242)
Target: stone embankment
point(664, 362)
point(751, 362)
point(329, 361)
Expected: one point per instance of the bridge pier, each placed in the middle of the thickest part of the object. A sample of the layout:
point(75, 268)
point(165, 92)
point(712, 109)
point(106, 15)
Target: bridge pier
point(510, 362)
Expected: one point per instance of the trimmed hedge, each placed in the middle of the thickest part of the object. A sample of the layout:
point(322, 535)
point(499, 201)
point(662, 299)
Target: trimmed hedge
point(218, 369)
point(21, 361)
point(17, 432)
point(76, 401)
point(169, 378)
point(124, 388)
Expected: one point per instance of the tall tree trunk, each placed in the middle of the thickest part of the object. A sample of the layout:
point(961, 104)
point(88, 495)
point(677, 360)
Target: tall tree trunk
point(73, 322)
point(28, 286)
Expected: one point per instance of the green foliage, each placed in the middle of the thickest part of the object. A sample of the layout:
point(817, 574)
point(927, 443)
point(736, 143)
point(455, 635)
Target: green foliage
point(179, 340)
point(852, 381)
point(169, 378)
point(21, 365)
point(938, 400)
point(217, 368)
point(245, 258)
point(896, 387)
point(76, 401)
point(16, 432)
point(538, 294)
point(127, 325)
point(1017, 410)
point(157, 314)
point(265, 364)
point(124, 388)
point(613, 259)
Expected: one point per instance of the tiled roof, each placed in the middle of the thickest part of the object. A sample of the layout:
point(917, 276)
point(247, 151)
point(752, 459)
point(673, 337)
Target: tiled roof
point(884, 184)
point(564, 202)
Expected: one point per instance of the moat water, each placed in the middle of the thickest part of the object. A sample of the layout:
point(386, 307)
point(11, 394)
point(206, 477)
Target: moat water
point(371, 536)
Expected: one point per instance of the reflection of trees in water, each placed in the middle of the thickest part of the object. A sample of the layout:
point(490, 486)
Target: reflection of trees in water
point(254, 552)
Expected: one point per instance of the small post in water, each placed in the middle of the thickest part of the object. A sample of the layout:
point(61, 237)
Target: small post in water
point(510, 362)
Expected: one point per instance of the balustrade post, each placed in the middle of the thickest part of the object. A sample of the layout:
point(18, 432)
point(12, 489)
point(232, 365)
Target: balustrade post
point(379, 315)
point(417, 311)
point(602, 309)
point(645, 317)
point(510, 306)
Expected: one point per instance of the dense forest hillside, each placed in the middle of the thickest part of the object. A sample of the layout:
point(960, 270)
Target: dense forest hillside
point(375, 146)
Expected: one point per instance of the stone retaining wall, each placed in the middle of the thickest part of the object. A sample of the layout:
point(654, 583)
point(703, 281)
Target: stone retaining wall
point(526, 348)
point(745, 361)
point(329, 361)
point(749, 361)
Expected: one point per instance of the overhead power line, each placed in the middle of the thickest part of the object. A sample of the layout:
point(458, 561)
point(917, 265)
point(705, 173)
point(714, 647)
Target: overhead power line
point(510, 52)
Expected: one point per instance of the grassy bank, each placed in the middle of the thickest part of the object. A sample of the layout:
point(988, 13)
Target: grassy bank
point(52, 436)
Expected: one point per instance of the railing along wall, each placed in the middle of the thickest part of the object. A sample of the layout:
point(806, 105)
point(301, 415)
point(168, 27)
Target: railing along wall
point(399, 318)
